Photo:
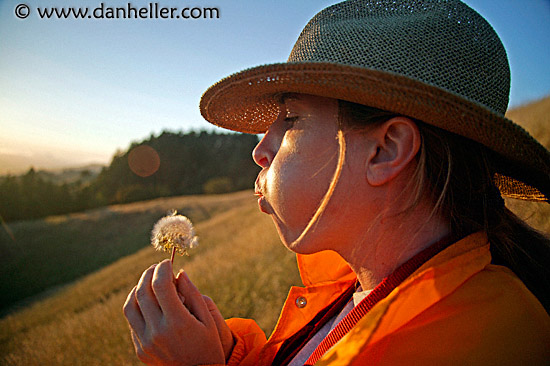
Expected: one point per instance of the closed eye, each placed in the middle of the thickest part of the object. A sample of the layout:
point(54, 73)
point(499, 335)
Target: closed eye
point(289, 121)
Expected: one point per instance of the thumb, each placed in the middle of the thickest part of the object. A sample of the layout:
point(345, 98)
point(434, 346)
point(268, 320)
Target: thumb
point(226, 337)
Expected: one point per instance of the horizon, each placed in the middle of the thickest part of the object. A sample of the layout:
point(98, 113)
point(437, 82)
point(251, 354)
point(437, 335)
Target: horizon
point(76, 91)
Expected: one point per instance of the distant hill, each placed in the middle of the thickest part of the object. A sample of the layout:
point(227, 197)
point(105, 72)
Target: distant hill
point(177, 163)
point(84, 174)
point(14, 162)
point(535, 118)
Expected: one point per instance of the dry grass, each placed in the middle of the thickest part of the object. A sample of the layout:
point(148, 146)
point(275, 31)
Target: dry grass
point(535, 118)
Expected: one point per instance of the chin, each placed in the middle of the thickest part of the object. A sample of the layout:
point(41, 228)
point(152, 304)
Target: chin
point(287, 238)
point(304, 246)
point(307, 245)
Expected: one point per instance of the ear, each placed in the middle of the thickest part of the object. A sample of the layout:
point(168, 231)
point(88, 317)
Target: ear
point(395, 144)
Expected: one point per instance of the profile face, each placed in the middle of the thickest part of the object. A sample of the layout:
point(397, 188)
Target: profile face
point(299, 155)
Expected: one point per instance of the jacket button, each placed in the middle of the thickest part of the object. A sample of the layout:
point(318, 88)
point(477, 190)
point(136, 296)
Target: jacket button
point(301, 302)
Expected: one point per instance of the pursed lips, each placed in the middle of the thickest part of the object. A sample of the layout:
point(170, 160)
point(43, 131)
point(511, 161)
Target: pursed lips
point(259, 192)
point(258, 186)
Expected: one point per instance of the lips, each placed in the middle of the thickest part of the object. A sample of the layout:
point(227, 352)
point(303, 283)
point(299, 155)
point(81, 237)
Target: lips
point(262, 202)
point(258, 185)
point(258, 192)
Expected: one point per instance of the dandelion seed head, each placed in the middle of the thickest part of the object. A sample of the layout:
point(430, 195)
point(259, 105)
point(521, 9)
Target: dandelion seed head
point(174, 231)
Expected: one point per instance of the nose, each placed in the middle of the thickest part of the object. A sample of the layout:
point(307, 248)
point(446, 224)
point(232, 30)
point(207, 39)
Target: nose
point(262, 154)
point(266, 150)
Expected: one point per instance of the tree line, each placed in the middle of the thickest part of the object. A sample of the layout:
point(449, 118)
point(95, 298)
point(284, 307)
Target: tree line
point(172, 163)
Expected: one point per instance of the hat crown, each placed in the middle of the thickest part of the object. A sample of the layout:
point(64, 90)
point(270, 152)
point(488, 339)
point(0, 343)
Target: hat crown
point(443, 43)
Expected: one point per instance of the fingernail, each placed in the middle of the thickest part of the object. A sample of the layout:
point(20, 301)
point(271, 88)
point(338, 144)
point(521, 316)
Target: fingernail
point(181, 275)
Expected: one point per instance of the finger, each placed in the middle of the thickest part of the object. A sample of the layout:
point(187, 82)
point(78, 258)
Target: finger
point(226, 337)
point(215, 313)
point(193, 300)
point(182, 298)
point(133, 313)
point(141, 354)
point(165, 291)
point(146, 298)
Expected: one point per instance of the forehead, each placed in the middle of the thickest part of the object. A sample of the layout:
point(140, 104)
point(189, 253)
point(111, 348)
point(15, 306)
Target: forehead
point(306, 100)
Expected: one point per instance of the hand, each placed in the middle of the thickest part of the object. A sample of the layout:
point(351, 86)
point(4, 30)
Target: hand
point(226, 337)
point(171, 328)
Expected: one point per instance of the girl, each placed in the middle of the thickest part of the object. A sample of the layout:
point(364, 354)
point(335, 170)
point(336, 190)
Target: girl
point(384, 161)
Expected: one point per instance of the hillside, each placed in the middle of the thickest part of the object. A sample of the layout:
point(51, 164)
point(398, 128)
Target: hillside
point(535, 118)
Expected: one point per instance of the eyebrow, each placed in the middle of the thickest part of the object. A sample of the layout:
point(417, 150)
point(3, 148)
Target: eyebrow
point(284, 97)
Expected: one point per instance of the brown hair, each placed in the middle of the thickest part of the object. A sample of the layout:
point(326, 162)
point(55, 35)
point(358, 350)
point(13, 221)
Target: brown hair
point(457, 174)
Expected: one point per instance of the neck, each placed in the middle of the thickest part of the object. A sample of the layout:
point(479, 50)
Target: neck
point(388, 245)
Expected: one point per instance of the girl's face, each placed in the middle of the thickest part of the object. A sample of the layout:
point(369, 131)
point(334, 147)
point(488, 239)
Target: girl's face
point(299, 155)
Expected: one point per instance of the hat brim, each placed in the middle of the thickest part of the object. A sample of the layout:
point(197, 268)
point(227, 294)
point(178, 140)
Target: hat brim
point(247, 102)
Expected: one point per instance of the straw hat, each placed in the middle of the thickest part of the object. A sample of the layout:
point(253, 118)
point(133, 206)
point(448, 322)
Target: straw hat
point(437, 61)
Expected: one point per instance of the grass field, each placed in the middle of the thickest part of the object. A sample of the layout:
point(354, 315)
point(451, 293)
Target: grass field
point(78, 269)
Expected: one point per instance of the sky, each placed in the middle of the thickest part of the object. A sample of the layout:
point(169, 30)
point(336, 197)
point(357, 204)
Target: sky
point(75, 91)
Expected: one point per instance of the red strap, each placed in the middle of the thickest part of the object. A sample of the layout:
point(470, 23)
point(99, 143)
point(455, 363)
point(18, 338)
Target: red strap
point(377, 294)
point(295, 343)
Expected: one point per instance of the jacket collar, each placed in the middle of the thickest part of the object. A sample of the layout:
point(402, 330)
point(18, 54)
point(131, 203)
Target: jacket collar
point(321, 267)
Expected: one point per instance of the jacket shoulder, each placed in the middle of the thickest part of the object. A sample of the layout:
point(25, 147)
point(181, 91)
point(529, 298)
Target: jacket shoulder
point(491, 319)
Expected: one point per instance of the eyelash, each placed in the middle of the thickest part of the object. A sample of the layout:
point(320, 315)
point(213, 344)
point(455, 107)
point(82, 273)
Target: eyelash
point(291, 120)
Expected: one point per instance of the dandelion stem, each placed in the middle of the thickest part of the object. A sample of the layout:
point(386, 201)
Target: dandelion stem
point(173, 254)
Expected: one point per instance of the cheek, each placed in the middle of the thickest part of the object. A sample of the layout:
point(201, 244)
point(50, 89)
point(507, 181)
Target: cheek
point(287, 181)
point(297, 184)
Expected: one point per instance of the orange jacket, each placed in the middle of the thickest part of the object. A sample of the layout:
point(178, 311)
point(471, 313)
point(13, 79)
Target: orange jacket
point(456, 309)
